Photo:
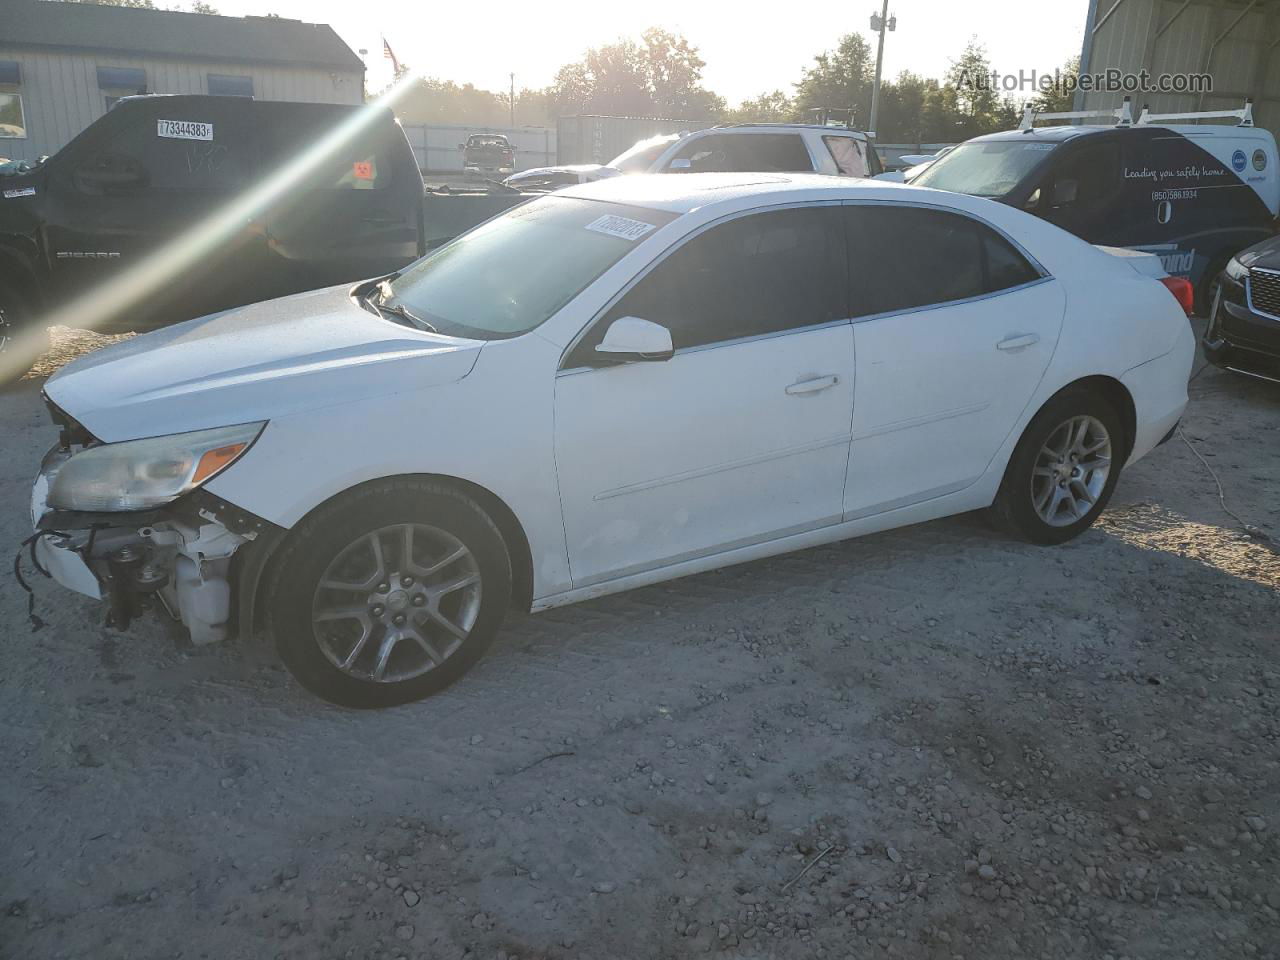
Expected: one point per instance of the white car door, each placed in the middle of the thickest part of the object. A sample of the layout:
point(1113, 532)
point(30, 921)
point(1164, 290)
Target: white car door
point(954, 327)
point(743, 434)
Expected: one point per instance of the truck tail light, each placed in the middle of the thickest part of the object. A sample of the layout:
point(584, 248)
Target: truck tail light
point(1182, 291)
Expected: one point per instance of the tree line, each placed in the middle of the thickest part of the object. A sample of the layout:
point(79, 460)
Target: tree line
point(659, 74)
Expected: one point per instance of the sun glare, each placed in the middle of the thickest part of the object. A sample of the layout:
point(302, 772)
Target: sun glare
point(166, 267)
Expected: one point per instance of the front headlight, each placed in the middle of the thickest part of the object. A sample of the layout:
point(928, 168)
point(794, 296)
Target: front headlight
point(141, 474)
point(1236, 270)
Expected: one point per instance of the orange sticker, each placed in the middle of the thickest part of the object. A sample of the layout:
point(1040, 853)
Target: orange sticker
point(362, 169)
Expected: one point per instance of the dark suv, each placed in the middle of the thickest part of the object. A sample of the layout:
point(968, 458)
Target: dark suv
point(1244, 322)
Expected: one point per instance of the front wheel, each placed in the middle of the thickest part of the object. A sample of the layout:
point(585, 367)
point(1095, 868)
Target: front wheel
point(21, 340)
point(389, 594)
point(1063, 470)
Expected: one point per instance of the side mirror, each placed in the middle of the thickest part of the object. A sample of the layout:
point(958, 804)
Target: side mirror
point(1064, 192)
point(630, 338)
point(1033, 201)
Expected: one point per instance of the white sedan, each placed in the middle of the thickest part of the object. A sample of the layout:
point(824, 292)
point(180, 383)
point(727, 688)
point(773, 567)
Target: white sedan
point(618, 384)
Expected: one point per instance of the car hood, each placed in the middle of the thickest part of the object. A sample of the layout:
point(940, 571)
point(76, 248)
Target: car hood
point(266, 360)
point(1265, 255)
point(585, 172)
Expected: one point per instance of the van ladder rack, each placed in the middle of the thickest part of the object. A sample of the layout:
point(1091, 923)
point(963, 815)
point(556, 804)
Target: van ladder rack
point(1244, 115)
point(1123, 115)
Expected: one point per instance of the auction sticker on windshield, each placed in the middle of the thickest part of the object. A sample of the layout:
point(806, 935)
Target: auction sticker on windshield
point(623, 227)
point(184, 130)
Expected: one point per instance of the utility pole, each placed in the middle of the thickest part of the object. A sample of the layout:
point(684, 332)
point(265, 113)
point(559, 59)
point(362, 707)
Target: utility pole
point(880, 24)
point(513, 101)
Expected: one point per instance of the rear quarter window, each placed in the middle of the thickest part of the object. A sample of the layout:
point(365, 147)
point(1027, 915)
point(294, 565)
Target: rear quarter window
point(903, 258)
point(849, 155)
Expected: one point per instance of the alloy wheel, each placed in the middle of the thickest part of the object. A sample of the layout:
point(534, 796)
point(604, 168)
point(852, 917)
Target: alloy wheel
point(1071, 471)
point(396, 603)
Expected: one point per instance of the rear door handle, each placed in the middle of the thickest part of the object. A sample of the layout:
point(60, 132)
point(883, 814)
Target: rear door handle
point(1017, 343)
point(812, 386)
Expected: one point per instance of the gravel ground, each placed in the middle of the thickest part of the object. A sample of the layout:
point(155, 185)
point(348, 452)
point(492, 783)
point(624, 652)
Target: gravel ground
point(934, 742)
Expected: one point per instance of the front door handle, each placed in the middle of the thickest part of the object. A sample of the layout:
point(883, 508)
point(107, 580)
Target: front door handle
point(1017, 343)
point(812, 386)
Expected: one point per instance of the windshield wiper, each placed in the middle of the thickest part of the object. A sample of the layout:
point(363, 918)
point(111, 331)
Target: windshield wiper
point(401, 312)
point(397, 310)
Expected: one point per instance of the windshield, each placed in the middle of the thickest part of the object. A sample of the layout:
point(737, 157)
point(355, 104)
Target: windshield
point(511, 274)
point(641, 157)
point(985, 168)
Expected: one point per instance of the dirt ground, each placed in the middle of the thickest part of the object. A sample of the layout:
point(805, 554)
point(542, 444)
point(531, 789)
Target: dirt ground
point(932, 743)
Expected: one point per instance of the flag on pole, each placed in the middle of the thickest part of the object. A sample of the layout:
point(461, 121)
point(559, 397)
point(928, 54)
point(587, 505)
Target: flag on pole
point(386, 52)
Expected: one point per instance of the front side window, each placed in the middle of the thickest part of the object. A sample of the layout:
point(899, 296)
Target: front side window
point(361, 163)
point(13, 123)
point(758, 274)
point(986, 168)
point(511, 274)
point(903, 258)
point(639, 158)
point(1085, 188)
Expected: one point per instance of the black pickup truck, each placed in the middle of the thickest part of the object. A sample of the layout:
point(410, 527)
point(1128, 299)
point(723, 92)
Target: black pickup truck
point(148, 174)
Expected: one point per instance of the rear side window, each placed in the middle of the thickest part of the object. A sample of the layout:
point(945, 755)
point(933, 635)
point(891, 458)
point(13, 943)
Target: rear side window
point(743, 153)
point(848, 154)
point(758, 274)
point(362, 163)
point(902, 258)
point(780, 152)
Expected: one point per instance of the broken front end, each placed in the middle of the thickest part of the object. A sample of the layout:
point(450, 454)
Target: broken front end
point(129, 524)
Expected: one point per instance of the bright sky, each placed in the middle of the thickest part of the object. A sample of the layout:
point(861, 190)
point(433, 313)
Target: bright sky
point(747, 51)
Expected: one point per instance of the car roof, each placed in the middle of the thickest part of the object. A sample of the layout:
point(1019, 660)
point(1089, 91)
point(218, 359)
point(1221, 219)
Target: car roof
point(770, 127)
point(686, 192)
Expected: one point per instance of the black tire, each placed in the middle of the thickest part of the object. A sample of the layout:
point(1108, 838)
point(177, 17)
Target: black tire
point(1208, 287)
point(1014, 509)
point(320, 540)
point(19, 349)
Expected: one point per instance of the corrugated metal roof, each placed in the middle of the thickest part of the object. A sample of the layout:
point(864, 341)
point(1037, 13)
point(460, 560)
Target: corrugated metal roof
point(123, 30)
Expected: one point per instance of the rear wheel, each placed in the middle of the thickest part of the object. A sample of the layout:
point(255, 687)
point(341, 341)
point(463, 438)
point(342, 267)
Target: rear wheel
point(390, 594)
point(1063, 470)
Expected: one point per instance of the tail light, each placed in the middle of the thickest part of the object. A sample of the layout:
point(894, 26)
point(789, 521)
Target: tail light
point(1182, 291)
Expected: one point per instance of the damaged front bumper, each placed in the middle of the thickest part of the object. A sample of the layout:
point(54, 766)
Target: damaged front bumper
point(198, 559)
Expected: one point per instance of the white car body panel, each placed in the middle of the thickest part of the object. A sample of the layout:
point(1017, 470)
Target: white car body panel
point(967, 392)
point(767, 455)
point(258, 362)
point(657, 469)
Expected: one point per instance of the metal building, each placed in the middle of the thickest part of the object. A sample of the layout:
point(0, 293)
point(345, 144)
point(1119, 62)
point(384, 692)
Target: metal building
point(1236, 42)
point(62, 65)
